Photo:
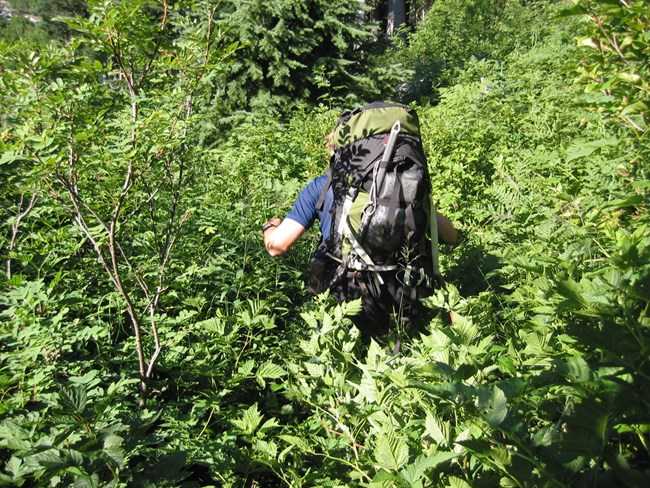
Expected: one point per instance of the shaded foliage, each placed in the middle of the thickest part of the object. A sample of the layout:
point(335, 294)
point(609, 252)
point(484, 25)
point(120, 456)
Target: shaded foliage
point(533, 372)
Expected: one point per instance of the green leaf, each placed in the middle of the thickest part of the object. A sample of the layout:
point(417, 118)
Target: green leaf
point(9, 157)
point(572, 291)
point(249, 421)
point(269, 370)
point(590, 425)
point(391, 452)
point(295, 441)
point(72, 399)
point(583, 149)
point(494, 406)
point(573, 368)
point(367, 388)
point(437, 429)
point(51, 459)
point(16, 468)
point(269, 449)
point(13, 436)
point(635, 108)
point(85, 481)
point(455, 482)
point(415, 471)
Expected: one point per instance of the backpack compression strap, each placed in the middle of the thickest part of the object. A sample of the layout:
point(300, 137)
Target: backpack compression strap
point(433, 227)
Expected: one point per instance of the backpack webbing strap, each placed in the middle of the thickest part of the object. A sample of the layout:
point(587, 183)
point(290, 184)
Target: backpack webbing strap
point(323, 194)
point(433, 227)
point(396, 193)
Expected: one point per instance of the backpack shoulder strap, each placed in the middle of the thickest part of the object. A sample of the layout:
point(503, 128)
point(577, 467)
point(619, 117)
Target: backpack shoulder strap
point(323, 193)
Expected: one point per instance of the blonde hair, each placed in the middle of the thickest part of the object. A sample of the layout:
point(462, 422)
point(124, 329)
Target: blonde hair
point(330, 142)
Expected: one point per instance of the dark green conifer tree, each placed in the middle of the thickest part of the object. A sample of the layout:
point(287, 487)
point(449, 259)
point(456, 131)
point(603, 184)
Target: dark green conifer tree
point(292, 51)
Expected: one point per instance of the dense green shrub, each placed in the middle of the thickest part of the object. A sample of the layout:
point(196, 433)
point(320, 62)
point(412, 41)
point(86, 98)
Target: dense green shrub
point(453, 33)
point(533, 372)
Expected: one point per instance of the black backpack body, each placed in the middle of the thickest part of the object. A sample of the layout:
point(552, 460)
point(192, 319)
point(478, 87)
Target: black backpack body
point(383, 236)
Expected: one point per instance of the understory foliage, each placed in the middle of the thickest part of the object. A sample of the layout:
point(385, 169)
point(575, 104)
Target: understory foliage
point(534, 371)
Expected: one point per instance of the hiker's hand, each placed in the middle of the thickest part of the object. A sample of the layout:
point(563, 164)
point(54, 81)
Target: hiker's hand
point(271, 224)
point(281, 235)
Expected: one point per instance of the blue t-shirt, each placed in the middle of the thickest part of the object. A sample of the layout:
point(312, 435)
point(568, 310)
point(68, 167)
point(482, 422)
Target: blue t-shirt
point(304, 211)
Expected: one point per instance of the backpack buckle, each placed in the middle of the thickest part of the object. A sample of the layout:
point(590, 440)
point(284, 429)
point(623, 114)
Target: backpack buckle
point(414, 276)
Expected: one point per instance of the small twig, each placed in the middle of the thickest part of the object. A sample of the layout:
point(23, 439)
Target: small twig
point(20, 215)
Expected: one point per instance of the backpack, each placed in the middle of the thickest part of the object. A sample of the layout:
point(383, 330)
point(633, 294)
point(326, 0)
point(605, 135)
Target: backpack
point(383, 220)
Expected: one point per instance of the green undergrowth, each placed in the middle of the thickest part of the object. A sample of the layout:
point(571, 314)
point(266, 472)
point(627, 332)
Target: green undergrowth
point(533, 373)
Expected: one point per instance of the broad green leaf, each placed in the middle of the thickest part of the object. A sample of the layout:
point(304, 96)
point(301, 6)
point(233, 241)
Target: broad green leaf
point(574, 368)
point(85, 379)
point(270, 370)
point(414, 472)
point(16, 468)
point(496, 408)
point(49, 459)
point(636, 107)
point(590, 425)
point(583, 149)
point(391, 452)
point(249, 421)
point(455, 482)
point(86, 481)
point(296, 441)
point(437, 429)
point(572, 291)
point(72, 399)
point(13, 436)
point(367, 388)
point(9, 157)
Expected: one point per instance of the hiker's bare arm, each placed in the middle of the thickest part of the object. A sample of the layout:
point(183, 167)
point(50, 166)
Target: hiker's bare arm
point(279, 240)
point(447, 234)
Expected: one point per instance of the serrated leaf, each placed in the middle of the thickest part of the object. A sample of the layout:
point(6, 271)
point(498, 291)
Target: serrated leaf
point(437, 429)
point(367, 388)
point(266, 447)
point(455, 482)
point(573, 368)
point(114, 456)
point(582, 149)
point(249, 421)
point(72, 399)
point(354, 307)
point(295, 441)
point(13, 435)
point(496, 408)
point(391, 452)
point(590, 425)
point(270, 370)
point(415, 471)
point(15, 467)
point(85, 481)
point(49, 459)
point(269, 424)
point(246, 367)
point(572, 291)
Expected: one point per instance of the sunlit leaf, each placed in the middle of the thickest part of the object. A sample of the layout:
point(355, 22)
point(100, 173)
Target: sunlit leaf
point(390, 452)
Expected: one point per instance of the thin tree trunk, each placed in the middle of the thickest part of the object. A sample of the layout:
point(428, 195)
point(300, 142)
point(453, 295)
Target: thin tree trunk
point(396, 16)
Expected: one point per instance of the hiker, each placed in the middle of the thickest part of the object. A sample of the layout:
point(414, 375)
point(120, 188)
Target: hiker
point(387, 285)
